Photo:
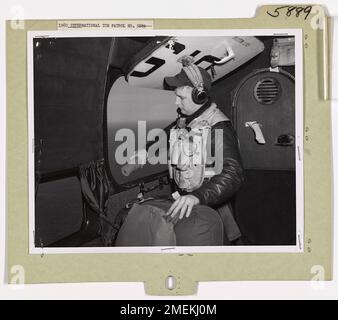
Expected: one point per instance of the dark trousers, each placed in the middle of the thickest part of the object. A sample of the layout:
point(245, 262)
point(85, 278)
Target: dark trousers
point(204, 227)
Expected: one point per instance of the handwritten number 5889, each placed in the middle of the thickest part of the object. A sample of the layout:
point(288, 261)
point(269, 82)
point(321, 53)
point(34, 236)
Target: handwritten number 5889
point(289, 10)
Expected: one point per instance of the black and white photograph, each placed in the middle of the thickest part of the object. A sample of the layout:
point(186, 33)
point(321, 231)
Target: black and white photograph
point(166, 141)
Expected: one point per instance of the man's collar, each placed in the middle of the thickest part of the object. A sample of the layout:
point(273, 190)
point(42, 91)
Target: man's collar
point(196, 114)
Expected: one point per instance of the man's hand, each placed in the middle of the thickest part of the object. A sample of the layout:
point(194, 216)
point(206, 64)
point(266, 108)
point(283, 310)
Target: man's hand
point(183, 206)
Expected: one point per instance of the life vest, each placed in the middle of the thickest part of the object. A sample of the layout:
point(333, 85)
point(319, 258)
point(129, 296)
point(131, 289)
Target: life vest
point(188, 155)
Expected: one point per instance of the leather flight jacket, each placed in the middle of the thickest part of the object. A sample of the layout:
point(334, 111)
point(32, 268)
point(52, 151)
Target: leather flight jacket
point(219, 188)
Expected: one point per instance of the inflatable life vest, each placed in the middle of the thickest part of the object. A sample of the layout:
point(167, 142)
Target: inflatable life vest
point(188, 155)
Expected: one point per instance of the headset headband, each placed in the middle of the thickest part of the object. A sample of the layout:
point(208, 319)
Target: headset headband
point(194, 75)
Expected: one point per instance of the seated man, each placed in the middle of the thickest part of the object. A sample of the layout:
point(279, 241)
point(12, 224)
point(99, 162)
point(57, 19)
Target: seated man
point(204, 161)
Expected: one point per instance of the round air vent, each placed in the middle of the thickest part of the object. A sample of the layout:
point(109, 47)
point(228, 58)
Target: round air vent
point(267, 90)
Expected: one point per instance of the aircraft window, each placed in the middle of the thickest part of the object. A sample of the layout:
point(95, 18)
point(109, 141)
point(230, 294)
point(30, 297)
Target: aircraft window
point(135, 112)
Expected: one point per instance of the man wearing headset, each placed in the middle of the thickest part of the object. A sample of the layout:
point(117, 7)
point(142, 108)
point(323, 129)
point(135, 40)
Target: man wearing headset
point(204, 182)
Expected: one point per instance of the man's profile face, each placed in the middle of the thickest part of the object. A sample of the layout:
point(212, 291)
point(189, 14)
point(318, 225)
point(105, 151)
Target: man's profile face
point(184, 100)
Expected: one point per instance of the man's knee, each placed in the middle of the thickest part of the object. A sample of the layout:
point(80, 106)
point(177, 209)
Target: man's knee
point(204, 227)
point(206, 213)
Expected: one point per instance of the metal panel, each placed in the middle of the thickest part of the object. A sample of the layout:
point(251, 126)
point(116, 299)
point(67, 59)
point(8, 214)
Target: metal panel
point(264, 117)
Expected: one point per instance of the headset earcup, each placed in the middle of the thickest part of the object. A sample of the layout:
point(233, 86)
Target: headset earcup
point(199, 97)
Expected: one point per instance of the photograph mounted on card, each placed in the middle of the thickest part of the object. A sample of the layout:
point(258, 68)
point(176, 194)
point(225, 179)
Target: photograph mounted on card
point(181, 145)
